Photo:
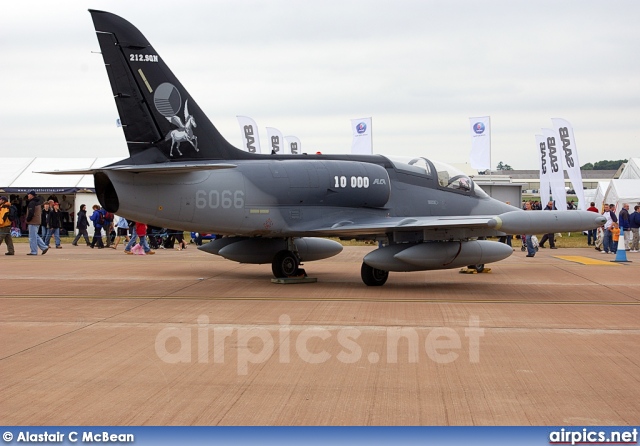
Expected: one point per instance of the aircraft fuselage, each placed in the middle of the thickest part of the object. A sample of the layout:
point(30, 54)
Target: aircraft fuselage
point(286, 198)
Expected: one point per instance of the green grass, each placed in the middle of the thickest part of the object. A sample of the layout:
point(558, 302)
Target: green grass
point(572, 240)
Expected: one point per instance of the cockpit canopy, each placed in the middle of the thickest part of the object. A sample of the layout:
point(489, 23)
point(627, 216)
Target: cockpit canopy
point(448, 177)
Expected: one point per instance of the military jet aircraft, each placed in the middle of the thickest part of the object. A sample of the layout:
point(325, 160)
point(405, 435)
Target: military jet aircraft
point(281, 209)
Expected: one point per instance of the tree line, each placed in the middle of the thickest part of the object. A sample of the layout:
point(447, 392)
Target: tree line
point(600, 165)
point(604, 165)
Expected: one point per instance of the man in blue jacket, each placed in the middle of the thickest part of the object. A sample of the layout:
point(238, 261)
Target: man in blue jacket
point(98, 221)
point(623, 221)
point(634, 224)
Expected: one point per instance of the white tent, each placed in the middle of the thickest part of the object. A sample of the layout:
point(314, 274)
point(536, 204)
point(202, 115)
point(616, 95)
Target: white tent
point(601, 191)
point(632, 170)
point(623, 191)
point(20, 175)
point(589, 195)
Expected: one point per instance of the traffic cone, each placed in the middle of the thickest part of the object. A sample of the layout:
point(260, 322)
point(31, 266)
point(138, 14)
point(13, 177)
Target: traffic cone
point(621, 253)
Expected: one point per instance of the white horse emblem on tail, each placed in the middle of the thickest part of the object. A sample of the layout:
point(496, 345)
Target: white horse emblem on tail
point(184, 132)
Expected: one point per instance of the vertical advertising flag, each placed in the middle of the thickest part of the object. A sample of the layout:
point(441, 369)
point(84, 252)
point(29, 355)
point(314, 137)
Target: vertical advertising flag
point(541, 141)
point(276, 141)
point(249, 132)
point(556, 171)
point(294, 147)
point(570, 155)
point(480, 142)
point(362, 141)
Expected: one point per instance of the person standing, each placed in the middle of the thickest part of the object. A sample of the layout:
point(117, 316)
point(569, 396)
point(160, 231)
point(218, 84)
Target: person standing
point(634, 223)
point(5, 225)
point(592, 233)
point(14, 200)
point(43, 230)
point(550, 236)
point(55, 222)
point(531, 251)
point(108, 225)
point(65, 209)
point(132, 239)
point(615, 236)
point(141, 230)
point(98, 220)
point(625, 226)
point(122, 229)
point(607, 240)
point(179, 237)
point(82, 224)
point(33, 220)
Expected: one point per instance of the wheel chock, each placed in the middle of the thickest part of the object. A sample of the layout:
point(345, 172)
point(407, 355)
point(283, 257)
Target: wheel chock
point(290, 280)
point(473, 271)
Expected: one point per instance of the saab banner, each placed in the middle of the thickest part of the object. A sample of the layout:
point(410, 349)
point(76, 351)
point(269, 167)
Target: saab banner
point(249, 132)
point(480, 142)
point(362, 141)
point(276, 141)
point(294, 147)
point(570, 155)
point(541, 141)
point(556, 171)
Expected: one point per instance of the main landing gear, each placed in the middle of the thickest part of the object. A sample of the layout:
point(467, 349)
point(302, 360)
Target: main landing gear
point(372, 276)
point(285, 264)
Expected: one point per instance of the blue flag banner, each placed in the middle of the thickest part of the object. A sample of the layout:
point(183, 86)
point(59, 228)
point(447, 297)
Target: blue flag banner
point(160, 435)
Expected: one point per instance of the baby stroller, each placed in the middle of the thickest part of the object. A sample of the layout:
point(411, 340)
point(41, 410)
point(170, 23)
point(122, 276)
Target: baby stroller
point(534, 242)
point(599, 239)
point(157, 237)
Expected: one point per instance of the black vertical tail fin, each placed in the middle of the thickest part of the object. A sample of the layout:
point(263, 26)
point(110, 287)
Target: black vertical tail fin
point(159, 118)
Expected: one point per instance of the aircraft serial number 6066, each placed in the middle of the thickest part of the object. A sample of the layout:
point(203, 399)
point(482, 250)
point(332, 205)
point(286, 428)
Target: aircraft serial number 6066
point(276, 209)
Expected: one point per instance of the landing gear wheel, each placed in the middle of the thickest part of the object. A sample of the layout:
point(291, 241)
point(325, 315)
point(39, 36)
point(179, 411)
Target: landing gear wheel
point(285, 264)
point(372, 276)
point(479, 267)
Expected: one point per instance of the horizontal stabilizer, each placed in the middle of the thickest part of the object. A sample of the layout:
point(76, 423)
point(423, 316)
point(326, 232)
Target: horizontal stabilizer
point(165, 168)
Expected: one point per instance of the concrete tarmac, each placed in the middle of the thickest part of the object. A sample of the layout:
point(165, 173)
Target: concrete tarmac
point(96, 337)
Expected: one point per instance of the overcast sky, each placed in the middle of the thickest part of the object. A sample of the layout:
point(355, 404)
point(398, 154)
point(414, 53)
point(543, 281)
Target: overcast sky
point(419, 68)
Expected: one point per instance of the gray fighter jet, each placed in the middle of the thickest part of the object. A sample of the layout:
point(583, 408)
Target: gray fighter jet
point(280, 209)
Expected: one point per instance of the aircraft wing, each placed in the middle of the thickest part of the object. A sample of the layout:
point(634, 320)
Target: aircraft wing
point(379, 226)
point(167, 168)
point(513, 222)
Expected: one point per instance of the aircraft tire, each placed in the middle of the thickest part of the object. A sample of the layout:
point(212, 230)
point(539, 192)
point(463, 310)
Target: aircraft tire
point(285, 264)
point(372, 276)
point(479, 267)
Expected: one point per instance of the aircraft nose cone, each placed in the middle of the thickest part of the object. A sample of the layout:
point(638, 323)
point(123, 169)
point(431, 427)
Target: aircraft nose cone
point(601, 220)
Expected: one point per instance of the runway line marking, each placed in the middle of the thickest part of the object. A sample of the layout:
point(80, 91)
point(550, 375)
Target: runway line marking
point(337, 299)
point(585, 260)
